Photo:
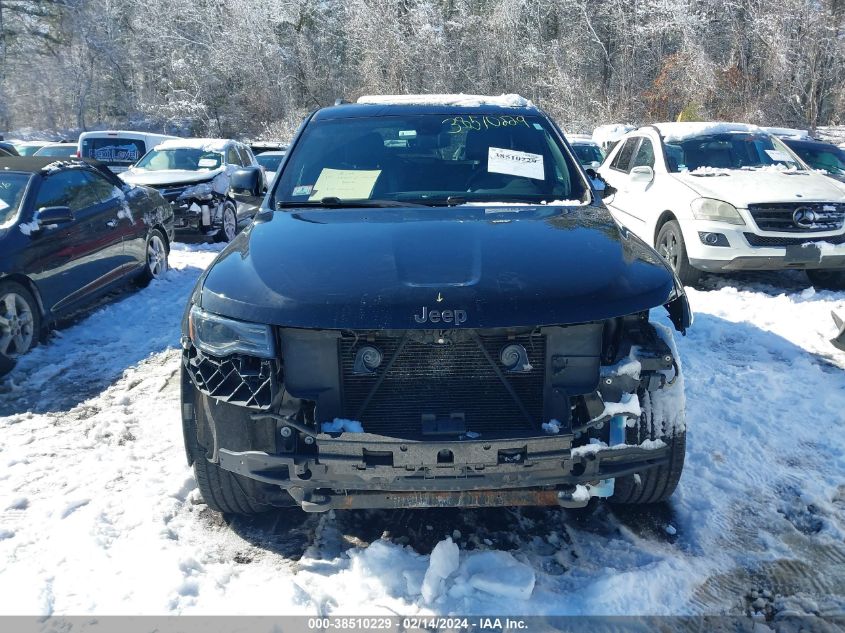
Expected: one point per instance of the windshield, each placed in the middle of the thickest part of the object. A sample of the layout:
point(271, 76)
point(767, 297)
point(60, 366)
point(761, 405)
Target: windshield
point(827, 157)
point(588, 155)
point(271, 162)
point(731, 150)
point(12, 187)
point(430, 159)
point(57, 150)
point(187, 158)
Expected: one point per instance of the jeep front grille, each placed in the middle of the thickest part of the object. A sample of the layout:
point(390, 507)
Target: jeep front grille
point(236, 379)
point(422, 379)
point(780, 216)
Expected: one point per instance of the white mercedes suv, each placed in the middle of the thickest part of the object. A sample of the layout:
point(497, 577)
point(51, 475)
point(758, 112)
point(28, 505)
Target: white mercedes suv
point(727, 196)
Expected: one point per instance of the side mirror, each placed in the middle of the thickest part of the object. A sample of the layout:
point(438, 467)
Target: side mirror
point(602, 187)
point(642, 173)
point(247, 184)
point(47, 216)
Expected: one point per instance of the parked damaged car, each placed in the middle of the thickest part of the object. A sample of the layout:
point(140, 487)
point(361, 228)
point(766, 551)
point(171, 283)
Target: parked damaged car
point(69, 232)
point(193, 175)
point(432, 308)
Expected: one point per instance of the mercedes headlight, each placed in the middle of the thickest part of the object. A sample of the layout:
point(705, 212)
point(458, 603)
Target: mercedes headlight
point(715, 210)
point(220, 336)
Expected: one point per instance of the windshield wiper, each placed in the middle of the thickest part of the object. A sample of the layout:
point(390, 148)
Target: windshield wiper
point(331, 202)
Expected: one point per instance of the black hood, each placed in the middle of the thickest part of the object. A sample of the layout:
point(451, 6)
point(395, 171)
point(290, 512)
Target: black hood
point(378, 268)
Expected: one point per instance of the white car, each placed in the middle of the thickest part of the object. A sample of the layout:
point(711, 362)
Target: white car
point(118, 149)
point(724, 196)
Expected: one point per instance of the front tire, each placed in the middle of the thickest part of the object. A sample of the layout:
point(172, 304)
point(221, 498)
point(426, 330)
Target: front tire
point(20, 323)
point(229, 218)
point(826, 279)
point(221, 490)
point(662, 418)
point(156, 265)
point(670, 244)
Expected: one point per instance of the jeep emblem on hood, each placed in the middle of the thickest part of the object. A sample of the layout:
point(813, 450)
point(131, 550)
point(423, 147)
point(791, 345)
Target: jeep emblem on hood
point(441, 316)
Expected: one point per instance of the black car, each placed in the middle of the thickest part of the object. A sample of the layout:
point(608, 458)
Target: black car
point(433, 308)
point(819, 155)
point(69, 231)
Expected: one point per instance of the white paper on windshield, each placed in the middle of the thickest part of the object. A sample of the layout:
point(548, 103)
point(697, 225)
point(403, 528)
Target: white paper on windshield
point(346, 184)
point(407, 133)
point(207, 162)
point(515, 163)
point(776, 154)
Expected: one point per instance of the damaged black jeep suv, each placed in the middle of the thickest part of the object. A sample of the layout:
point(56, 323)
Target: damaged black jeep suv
point(432, 308)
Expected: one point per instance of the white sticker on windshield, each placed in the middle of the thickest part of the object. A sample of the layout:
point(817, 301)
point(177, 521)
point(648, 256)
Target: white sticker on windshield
point(346, 184)
point(3, 205)
point(207, 162)
point(302, 190)
point(515, 163)
point(407, 133)
point(776, 154)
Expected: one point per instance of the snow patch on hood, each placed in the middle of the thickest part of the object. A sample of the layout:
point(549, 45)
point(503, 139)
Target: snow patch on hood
point(460, 99)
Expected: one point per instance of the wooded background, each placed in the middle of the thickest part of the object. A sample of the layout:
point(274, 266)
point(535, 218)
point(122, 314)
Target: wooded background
point(243, 68)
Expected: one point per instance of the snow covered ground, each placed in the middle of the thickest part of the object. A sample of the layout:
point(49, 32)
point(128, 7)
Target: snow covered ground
point(99, 512)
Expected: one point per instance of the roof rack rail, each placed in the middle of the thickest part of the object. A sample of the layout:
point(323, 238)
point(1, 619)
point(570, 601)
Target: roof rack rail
point(341, 101)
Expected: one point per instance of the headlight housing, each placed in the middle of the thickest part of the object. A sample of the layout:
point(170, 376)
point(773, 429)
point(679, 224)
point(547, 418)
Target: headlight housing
point(715, 210)
point(201, 191)
point(221, 336)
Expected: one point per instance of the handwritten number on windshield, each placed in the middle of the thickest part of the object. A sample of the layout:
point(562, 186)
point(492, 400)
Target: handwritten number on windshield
point(470, 122)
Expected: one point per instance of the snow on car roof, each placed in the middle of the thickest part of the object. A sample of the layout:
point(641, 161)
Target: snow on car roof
point(680, 131)
point(460, 99)
point(611, 132)
point(788, 132)
point(580, 138)
point(207, 144)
